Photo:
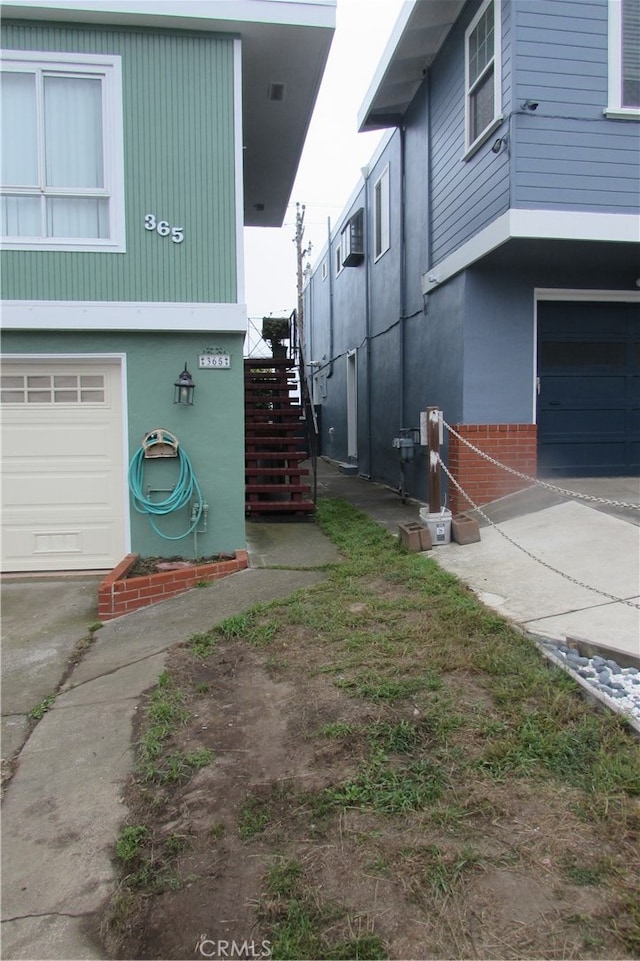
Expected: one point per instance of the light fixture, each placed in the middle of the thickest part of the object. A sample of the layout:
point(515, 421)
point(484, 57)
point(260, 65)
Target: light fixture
point(184, 388)
point(499, 144)
point(530, 105)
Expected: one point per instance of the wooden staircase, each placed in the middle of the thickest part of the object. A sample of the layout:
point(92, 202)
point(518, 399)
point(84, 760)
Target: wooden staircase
point(275, 443)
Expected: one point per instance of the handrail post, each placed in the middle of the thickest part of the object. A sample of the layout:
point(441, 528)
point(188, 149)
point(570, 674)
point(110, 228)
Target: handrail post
point(433, 444)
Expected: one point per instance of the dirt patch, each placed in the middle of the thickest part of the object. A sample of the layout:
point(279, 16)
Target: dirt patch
point(487, 869)
point(156, 565)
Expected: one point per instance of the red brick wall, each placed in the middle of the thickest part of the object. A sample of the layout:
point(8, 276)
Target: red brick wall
point(512, 444)
point(119, 595)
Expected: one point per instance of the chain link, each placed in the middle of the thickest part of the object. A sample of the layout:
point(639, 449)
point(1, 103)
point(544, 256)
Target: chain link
point(568, 577)
point(535, 480)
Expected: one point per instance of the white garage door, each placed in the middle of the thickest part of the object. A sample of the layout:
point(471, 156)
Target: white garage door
point(63, 478)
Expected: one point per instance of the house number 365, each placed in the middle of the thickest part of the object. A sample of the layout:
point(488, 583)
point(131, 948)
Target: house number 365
point(164, 228)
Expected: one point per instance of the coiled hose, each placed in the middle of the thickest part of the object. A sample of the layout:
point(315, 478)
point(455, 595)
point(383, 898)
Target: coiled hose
point(185, 488)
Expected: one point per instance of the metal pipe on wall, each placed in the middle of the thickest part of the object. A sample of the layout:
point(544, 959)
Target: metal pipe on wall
point(330, 268)
point(403, 286)
point(367, 316)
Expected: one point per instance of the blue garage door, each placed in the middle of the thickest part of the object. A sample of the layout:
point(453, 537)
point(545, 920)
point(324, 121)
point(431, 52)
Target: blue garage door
point(589, 389)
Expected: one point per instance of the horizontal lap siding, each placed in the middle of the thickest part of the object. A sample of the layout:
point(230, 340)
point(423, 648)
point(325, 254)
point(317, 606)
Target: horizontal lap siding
point(467, 195)
point(568, 155)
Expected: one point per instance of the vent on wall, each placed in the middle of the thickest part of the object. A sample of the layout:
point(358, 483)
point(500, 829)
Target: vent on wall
point(276, 92)
point(352, 241)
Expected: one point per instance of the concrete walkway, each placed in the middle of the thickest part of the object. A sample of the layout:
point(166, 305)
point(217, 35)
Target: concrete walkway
point(63, 810)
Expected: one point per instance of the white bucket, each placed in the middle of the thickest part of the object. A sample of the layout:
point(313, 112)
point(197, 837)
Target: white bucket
point(439, 525)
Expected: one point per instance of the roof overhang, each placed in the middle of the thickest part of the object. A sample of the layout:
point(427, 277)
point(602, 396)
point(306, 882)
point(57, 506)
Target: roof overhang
point(285, 45)
point(418, 35)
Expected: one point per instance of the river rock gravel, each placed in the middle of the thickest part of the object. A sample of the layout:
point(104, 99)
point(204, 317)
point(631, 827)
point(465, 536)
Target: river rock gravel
point(620, 684)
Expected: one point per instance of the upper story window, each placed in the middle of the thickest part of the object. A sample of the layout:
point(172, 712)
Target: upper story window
point(482, 74)
point(62, 152)
point(381, 220)
point(352, 240)
point(624, 59)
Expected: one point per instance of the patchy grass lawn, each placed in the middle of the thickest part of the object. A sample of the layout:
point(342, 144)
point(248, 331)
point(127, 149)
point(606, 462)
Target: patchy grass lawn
point(378, 767)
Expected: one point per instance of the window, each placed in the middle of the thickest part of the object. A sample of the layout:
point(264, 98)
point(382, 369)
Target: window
point(624, 59)
point(52, 389)
point(62, 154)
point(352, 241)
point(482, 75)
point(324, 270)
point(381, 214)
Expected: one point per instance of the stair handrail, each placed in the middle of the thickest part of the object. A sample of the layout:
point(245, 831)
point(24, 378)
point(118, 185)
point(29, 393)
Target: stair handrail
point(309, 411)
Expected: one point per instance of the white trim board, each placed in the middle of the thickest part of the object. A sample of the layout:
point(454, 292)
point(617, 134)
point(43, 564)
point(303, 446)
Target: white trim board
point(597, 296)
point(190, 14)
point(99, 315)
point(535, 225)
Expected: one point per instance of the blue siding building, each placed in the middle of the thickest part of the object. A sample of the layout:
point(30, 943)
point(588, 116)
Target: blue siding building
point(500, 270)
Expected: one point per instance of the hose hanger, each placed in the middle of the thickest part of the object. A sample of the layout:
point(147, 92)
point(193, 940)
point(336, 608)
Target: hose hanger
point(184, 493)
point(160, 442)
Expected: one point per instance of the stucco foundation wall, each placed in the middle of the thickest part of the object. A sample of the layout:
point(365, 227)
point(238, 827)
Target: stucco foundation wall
point(211, 432)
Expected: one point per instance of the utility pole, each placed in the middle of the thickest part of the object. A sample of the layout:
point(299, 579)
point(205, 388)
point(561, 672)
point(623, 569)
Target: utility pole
point(300, 255)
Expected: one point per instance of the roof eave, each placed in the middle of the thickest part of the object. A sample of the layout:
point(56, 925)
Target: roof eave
point(417, 37)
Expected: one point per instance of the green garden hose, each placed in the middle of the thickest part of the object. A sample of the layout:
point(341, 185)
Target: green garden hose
point(181, 495)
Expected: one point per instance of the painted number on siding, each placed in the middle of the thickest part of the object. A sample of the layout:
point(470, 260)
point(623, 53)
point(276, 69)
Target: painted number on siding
point(164, 228)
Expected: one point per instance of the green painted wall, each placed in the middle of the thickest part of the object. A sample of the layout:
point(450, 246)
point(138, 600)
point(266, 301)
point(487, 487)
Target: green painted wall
point(178, 104)
point(211, 432)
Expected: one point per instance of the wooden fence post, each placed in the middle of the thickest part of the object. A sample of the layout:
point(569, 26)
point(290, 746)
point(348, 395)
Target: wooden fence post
point(433, 443)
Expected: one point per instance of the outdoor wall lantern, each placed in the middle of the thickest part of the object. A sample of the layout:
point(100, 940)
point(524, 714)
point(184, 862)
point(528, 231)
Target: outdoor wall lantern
point(184, 388)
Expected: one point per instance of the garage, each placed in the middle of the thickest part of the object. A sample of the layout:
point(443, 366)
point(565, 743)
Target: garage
point(63, 495)
point(588, 409)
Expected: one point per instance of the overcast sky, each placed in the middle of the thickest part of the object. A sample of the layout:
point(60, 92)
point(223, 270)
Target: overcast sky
point(333, 154)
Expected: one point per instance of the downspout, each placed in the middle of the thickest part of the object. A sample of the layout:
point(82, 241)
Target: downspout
point(402, 299)
point(427, 266)
point(330, 266)
point(367, 317)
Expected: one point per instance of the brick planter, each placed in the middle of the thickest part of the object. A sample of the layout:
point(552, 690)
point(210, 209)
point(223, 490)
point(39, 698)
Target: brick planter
point(119, 595)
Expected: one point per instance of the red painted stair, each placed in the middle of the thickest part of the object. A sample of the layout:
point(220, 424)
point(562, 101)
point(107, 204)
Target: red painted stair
point(275, 442)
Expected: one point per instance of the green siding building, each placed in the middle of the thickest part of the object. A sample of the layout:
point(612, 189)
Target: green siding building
point(137, 143)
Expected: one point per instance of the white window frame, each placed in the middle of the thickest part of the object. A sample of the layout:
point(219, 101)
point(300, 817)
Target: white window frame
point(381, 215)
point(614, 107)
point(344, 245)
point(108, 69)
point(496, 64)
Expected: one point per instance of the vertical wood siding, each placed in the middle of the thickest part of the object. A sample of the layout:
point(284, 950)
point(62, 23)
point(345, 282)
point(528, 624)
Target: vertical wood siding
point(178, 103)
point(569, 155)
